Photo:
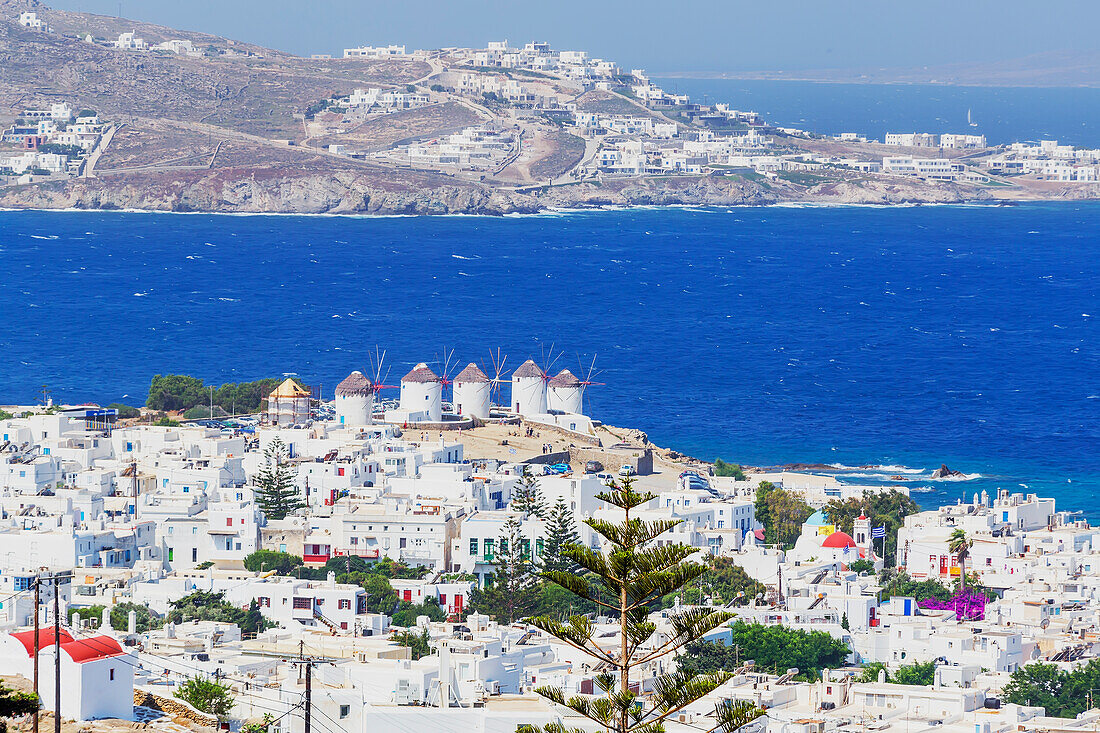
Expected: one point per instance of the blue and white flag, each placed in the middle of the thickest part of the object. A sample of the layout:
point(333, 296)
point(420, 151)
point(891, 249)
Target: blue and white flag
point(878, 533)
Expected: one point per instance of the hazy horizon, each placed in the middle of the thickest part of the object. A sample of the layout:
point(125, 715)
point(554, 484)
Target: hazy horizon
point(704, 36)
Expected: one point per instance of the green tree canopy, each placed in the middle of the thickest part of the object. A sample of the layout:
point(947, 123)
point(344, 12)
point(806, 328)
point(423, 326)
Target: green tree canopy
point(144, 619)
point(381, 597)
point(773, 648)
point(124, 411)
point(917, 673)
point(782, 513)
point(203, 606)
point(283, 563)
point(1064, 694)
point(418, 642)
point(884, 509)
point(725, 582)
point(171, 392)
point(391, 568)
point(861, 566)
point(14, 702)
point(900, 584)
point(407, 613)
point(206, 695)
point(731, 470)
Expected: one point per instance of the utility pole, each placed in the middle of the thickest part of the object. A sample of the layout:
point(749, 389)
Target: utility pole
point(134, 487)
point(56, 653)
point(309, 694)
point(37, 601)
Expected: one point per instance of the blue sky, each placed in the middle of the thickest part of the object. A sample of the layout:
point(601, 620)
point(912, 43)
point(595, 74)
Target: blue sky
point(676, 35)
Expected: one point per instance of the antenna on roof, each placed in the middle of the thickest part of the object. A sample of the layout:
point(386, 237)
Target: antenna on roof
point(498, 369)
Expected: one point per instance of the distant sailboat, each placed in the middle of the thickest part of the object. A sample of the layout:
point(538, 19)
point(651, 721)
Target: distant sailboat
point(970, 121)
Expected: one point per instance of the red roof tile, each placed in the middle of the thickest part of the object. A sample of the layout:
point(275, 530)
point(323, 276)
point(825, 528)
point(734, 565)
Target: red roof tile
point(91, 649)
point(45, 638)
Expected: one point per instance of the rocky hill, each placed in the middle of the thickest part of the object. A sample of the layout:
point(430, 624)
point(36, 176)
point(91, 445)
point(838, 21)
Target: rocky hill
point(231, 128)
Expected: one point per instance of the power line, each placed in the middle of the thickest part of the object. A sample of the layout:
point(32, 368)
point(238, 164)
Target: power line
point(93, 641)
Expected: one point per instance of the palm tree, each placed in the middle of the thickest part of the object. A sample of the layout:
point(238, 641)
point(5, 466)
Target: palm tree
point(959, 546)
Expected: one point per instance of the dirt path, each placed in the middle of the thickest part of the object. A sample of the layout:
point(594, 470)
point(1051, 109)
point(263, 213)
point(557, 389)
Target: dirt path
point(89, 166)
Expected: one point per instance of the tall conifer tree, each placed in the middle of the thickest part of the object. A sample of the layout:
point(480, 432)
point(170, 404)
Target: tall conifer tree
point(528, 495)
point(276, 493)
point(561, 532)
point(635, 573)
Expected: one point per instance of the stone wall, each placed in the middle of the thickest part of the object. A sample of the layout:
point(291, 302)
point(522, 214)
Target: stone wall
point(641, 459)
point(570, 435)
point(175, 708)
point(547, 459)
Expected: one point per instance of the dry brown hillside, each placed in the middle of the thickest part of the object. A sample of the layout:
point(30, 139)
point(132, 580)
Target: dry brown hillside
point(259, 95)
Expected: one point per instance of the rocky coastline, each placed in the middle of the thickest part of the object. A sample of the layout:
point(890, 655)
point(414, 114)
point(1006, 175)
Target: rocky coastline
point(366, 193)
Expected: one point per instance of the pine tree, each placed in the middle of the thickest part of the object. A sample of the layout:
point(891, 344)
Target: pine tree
point(275, 491)
point(513, 592)
point(528, 497)
point(561, 532)
point(635, 574)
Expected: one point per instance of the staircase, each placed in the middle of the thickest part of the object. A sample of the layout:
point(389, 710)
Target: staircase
point(332, 625)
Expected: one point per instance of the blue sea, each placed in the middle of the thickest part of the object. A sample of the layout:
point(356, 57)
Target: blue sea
point(1003, 114)
point(965, 335)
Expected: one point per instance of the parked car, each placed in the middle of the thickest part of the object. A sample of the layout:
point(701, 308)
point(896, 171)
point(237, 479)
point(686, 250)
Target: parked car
point(606, 478)
point(627, 470)
point(593, 467)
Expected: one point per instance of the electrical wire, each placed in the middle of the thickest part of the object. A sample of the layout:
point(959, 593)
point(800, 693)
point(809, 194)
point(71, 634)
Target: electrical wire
point(92, 640)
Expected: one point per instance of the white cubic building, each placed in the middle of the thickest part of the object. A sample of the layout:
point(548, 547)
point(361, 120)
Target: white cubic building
point(529, 389)
point(422, 395)
point(565, 393)
point(471, 393)
point(354, 400)
point(98, 675)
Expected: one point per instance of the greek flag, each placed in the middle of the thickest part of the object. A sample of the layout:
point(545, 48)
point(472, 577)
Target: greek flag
point(878, 533)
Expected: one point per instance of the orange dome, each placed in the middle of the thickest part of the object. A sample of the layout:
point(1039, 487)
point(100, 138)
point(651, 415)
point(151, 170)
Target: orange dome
point(839, 540)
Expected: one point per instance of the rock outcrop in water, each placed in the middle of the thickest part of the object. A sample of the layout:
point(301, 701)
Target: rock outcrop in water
point(944, 472)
